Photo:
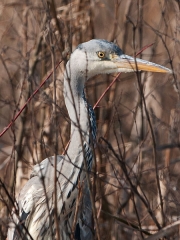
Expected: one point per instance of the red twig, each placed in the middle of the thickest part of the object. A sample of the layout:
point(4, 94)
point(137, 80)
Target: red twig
point(110, 85)
point(143, 49)
point(29, 99)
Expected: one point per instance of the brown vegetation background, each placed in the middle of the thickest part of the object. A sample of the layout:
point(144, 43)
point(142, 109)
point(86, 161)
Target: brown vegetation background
point(136, 177)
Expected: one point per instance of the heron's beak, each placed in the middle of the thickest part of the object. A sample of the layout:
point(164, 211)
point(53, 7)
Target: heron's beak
point(126, 63)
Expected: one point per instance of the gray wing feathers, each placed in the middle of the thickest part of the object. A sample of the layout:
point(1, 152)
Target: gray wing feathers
point(33, 195)
point(85, 218)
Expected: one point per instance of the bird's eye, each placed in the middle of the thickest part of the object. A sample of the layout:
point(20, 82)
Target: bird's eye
point(101, 54)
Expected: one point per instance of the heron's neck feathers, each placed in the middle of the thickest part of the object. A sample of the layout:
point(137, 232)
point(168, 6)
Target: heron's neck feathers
point(76, 106)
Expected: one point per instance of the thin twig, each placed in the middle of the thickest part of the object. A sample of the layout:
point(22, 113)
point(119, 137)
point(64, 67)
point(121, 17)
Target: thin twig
point(26, 103)
point(134, 189)
point(165, 232)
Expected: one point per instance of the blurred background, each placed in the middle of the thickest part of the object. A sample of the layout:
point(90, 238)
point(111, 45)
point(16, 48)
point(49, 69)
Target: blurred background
point(136, 172)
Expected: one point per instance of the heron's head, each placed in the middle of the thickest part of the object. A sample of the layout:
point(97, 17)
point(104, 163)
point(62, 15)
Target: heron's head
point(102, 57)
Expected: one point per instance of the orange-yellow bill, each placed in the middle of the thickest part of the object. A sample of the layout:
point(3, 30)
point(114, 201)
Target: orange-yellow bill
point(126, 63)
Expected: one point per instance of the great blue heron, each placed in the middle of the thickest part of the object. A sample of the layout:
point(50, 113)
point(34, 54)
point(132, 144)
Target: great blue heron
point(36, 200)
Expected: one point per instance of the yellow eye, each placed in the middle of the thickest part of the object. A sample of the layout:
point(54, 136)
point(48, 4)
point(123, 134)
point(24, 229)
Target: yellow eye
point(101, 54)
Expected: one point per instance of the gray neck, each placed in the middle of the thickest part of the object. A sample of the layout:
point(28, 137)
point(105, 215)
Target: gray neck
point(77, 109)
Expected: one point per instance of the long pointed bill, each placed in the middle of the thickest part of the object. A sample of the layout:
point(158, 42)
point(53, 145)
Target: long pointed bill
point(129, 64)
